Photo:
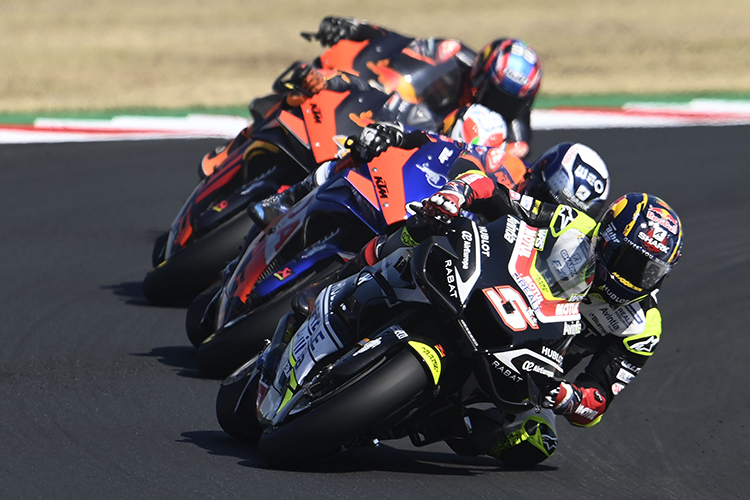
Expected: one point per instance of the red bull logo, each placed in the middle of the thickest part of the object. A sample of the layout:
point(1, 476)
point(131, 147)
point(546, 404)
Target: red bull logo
point(663, 218)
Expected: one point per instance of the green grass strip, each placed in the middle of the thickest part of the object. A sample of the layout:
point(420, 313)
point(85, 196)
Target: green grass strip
point(542, 102)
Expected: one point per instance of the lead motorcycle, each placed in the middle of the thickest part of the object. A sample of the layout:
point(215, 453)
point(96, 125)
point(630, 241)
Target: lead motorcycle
point(391, 63)
point(327, 227)
point(390, 352)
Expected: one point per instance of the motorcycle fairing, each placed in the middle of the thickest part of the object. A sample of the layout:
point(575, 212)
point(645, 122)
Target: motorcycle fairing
point(252, 269)
point(351, 56)
point(449, 278)
point(386, 190)
point(187, 224)
point(342, 55)
point(295, 125)
point(394, 63)
point(522, 267)
point(399, 175)
point(321, 128)
point(313, 341)
point(182, 228)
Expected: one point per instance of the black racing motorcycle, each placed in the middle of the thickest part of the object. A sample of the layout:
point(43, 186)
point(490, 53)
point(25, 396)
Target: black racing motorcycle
point(390, 352)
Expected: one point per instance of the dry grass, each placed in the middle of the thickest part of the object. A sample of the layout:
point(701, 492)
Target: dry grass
point(99, 54)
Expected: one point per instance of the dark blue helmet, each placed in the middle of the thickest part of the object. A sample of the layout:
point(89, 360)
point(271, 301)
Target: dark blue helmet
point(640, 239)
point(569, 174)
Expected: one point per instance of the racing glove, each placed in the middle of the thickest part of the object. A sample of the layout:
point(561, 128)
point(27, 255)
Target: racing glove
point(376, 138)
point(333, 29)
point(580, 406)
point(519, 149)
point(307, 78)
point(448, 201)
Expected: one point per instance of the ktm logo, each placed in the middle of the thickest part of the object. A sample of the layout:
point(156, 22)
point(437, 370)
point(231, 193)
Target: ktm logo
point(382, 187)
point(317, 115)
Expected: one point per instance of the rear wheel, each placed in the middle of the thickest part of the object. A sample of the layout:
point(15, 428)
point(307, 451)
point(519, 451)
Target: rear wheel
point(176, 281)
point(377, 399)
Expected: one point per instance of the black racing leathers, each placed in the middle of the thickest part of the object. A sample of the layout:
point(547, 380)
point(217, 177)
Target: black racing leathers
point(619, 340)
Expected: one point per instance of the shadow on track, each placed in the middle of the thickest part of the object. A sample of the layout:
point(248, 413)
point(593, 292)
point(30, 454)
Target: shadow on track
point(382, 458)
point(132, 292)
point(181, 357)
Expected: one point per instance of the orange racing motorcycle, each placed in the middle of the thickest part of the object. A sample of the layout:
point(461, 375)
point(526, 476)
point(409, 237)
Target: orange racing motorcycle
point(280, 149)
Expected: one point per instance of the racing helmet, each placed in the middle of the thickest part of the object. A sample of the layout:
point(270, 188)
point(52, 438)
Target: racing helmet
point(640, 239)
point(569, 174)
point(475, 124)
point(505, 76)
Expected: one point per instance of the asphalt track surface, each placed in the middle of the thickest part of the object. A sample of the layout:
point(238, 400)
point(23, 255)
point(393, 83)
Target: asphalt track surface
point(100, 396)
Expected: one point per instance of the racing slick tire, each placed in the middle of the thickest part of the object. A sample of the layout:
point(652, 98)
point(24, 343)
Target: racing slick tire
point(196, 332)
point(331, 422)
point(235, 403)
point(176, 281)
point(233, 344)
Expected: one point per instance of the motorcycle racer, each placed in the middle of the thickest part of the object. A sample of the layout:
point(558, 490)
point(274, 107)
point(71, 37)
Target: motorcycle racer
point(473, 125)
point(568, 174)
point(504, 76)
point(637, 242)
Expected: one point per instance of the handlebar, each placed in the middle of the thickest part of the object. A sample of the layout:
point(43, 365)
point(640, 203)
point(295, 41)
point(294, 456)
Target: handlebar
point(283, 82)
point(309, 36)
point(438, 223)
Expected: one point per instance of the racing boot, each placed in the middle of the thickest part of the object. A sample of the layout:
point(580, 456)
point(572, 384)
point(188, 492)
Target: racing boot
point(302, 303)
point(265, 211)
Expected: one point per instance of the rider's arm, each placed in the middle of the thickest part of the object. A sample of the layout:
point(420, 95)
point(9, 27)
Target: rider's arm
point(332, 29)
point(519, 134)
point(615, 362)
point(492, 200)
point(312, 81)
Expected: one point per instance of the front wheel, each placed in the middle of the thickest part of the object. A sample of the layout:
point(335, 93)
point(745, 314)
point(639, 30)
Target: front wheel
point(190, 271)
point(196, 331)
point(229, 347)
point(235, 403)
point(378, 399)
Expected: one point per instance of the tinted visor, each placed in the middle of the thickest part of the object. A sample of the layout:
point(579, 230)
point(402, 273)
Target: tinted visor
point(498, 100)
point(631, 267)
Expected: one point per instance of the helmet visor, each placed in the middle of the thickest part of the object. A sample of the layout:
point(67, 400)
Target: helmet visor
point(631, 267)
point(499, 101)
